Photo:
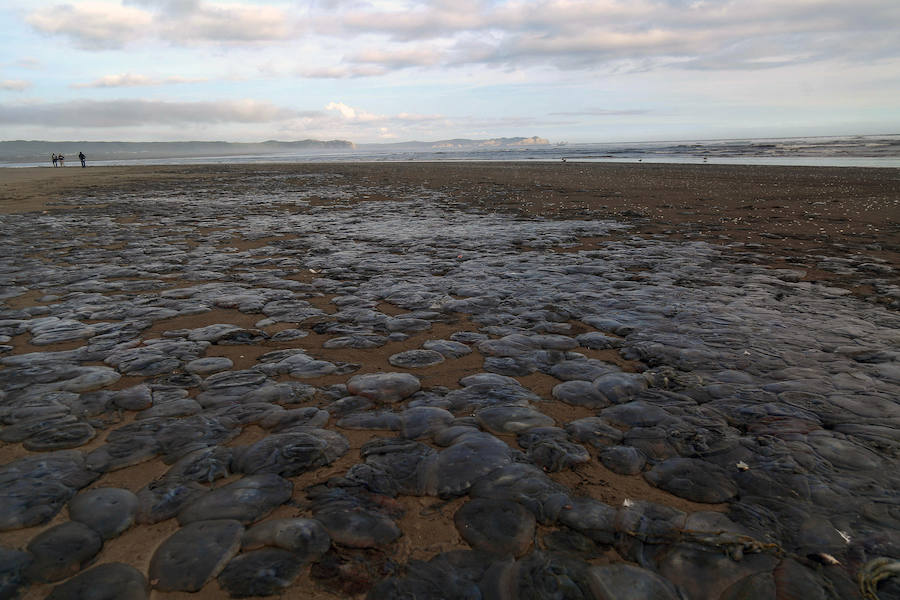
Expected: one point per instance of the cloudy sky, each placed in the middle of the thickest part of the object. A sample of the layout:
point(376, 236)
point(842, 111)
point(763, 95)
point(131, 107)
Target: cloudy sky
point(396, 70)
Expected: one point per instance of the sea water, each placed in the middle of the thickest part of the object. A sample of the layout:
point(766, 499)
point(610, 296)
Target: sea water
point(850, 151)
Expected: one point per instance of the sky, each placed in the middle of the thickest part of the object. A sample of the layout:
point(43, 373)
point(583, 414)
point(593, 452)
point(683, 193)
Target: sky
point(398, 70)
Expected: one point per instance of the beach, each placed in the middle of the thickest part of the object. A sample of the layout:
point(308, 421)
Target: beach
point(781, 215)
point(343, 380)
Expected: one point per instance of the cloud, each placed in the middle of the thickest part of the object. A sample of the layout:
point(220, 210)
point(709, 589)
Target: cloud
point(341, 71)
point(356, 116)
point(92, 25)
point(416, 118)
point(351, 122)
point(133, 80)
point(357, 123)
point(14, 85)
point(170, 6)
point(129, 113)
point(397, 59)
point(423, 22)
point(347, 112)
point(28, 63)
point(634, 34)
point(99, 26)
point(196, 21)
point(372, 38)
point(353, 114)
point(601, 112)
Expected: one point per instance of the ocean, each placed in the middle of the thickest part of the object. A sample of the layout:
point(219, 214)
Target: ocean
point(847, 151)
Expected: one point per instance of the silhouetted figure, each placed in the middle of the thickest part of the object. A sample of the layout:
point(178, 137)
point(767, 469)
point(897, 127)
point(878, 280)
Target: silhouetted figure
point(54, 158)
point(81, 156)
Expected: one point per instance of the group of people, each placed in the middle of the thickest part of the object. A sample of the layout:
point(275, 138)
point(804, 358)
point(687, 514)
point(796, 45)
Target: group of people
point(60, 161)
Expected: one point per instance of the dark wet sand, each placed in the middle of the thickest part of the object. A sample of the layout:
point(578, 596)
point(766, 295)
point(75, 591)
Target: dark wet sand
point(784, 217)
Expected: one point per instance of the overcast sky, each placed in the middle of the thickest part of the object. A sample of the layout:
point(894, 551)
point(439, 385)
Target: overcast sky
point(396, 70)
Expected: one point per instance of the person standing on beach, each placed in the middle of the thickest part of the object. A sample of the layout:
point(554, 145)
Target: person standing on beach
point(62, 160)
point(82, 157)
point(54, 159)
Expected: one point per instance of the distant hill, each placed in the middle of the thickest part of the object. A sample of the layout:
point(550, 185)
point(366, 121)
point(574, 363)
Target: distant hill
point(31, 150)
point(463, 144)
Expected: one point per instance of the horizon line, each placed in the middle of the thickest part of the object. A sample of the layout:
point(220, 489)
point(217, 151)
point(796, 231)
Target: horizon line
point(648, 141)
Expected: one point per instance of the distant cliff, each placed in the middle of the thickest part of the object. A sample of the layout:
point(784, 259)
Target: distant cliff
point(32, 151)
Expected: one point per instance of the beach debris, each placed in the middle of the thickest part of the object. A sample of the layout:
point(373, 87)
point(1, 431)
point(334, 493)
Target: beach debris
point(628, 582)
point(194, 554)
point(291, 452)
point(413, 423)
point(394, 466)
point(550, 449)
point(352, 519)
point(500, 527)
point(624, 460)
point(13, 566)
point(109, 580)
point(591, 518)
point(164, 498)
point(359, 341)
point(693, 479)
point(35, 487)
point(489, 393)
point(526, 484)
point(289, 310)
point(874, 571)
point(263, 572)
point(246, 500)
point(469, 456)
point(308, 416)
point(580, 393)
point(59, 435)
point(594, 431)
point(620, 387)
point(61, 551)
point(384, 387)
point(108, 511)
point(511, 419)
point(209, 365)
point(448, 348)
point(416, 359)
point(306, 538)
point(824, 558)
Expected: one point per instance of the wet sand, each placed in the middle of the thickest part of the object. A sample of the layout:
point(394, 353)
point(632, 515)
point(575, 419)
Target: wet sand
point(779, 216)
point(834, 228)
